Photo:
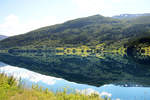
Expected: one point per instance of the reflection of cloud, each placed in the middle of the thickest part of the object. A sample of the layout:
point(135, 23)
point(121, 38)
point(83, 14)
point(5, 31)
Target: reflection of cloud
point(105, 94)
point(2, 64)
point(29, 75)
point(89, 91)
point(107, 85)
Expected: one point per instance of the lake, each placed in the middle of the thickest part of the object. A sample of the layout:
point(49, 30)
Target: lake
point(118, 76)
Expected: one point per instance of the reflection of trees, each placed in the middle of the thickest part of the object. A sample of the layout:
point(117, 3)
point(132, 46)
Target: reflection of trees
point(86, 51)
point(145, 51)
point(88, 70)
point(139, 50)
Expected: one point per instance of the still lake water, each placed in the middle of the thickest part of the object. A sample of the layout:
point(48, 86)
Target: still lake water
point(116, 76)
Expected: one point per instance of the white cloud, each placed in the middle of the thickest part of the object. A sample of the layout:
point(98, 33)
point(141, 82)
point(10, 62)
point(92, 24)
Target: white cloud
point(13, 25)
point(110, 7)
point(90, 6)
point(117, 99)
point(103, 7)
point(118, 1)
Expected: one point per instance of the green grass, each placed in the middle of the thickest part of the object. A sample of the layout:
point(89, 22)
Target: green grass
point(11, 90)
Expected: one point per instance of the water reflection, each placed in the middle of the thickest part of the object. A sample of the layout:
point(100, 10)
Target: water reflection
point(114, 68)
point(139, 51)
point(115, 92)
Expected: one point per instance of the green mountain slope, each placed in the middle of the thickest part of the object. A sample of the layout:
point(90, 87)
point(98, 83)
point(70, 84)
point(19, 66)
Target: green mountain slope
point(89, 31)
point(141, 20)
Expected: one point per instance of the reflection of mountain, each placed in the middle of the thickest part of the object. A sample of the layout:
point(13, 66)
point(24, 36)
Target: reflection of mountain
point(2, 37)
point(139, 50)
point(2, 64)
point(88, 70)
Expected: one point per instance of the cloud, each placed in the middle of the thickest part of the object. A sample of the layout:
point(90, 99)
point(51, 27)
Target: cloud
point(110, 7)
point(102, 7)
point(90, 6)
point(12, 24)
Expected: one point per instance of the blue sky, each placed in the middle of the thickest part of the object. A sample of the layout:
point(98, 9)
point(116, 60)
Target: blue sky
point(21, 16)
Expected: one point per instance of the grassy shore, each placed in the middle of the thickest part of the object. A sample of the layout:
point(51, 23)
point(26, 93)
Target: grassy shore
point(10, 89)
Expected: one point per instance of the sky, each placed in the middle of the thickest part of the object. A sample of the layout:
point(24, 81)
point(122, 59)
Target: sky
point(21, 16)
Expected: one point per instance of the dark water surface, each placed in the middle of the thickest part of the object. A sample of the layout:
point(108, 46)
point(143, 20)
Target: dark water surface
point(117, 75)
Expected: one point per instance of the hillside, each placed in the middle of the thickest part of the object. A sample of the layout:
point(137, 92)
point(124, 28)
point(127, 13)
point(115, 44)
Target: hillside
point(89, 31)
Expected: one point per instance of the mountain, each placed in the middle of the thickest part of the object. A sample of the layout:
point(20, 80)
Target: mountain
point(90, 31)
point(2, 37)
point(126, 16)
